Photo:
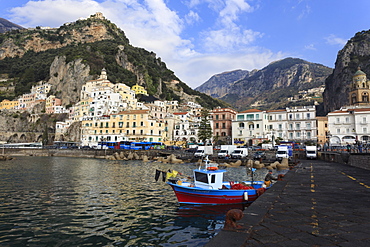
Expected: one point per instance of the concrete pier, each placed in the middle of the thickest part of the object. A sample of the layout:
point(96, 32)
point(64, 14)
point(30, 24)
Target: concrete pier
point(318, 203)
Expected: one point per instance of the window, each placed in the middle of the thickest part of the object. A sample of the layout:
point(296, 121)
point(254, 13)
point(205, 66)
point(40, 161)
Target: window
point(291, 126)
point(223, 116)
point(308, 116)
point(257, 116)
point(298, 134)
point(347, 119)
point(365, 97)
point(297, 126)
point(216, 117)
point(337, 120)
point(308, 126)
point(280, 117)
point(224, 125)
point(290, 135)
point(240, 117)
point(309, 135)
point(290, 116)
point(257, 126)
point(280, 126)
point(216, 125)
point(241, 125)
point(297, 116)
point(250, 117)
point(338, 131)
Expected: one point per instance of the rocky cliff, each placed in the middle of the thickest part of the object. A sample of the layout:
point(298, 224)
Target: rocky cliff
point(219, 85)
point(270, 86)
point(6, 26)
point(356, 53)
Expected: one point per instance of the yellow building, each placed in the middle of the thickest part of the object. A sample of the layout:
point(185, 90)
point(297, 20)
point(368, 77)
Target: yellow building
point(359, 92)
point(138, 125)
point(132, 125)
point(139, 90)
point(7, 104)
point(322, 130)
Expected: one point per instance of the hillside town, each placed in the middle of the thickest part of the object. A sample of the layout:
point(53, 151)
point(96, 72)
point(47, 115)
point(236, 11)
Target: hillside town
point(109, 112)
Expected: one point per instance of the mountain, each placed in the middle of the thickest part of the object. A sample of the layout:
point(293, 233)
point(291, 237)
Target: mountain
point(356, 53)
point(69, 56)
point(218, 85)
point(6, 26)
point(269, 87)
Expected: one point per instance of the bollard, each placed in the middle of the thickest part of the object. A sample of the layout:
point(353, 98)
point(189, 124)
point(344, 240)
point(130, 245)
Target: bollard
point(231, 217)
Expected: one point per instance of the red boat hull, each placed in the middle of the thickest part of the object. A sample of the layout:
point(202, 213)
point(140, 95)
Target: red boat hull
point(188, 195)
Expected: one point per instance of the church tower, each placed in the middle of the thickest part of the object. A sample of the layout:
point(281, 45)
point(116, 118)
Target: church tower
point(359, 89)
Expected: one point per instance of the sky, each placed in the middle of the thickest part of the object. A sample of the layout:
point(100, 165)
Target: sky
point(200, 38)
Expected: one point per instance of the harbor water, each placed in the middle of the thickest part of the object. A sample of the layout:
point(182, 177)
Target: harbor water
point(59, 201)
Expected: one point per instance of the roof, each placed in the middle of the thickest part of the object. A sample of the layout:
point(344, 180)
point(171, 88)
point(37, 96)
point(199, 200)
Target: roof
point(279, 110)
point(359, 72)
point(132, 112)
point(180, 113)
point(250, 110)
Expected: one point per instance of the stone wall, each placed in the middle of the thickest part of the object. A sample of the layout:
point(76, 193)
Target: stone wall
point(361, 160)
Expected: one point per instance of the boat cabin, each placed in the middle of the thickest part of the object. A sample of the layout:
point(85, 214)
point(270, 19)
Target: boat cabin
point(208, 179)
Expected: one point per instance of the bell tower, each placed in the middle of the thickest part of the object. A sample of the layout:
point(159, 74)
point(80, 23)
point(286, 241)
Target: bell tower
point(359, 89)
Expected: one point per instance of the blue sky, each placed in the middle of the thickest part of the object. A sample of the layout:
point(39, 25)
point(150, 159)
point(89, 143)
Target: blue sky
point(200, 38)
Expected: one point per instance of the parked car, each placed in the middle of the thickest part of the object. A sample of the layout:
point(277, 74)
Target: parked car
point(259, 155)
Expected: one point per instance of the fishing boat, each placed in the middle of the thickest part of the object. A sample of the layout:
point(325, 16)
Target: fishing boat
point(208, 187)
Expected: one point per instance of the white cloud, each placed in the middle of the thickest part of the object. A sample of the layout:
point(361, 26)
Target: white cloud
point(334, 40)
point(310, 47)
point(192, 17)
point(228, 40)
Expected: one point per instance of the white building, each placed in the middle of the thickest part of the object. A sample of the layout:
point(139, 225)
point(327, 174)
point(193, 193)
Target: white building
point(292, 124)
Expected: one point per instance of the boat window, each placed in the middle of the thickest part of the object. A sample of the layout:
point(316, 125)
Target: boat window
point(213, 178)
point(201, 177)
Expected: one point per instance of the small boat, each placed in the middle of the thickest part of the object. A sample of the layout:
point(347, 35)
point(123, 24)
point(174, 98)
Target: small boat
point(208, 187)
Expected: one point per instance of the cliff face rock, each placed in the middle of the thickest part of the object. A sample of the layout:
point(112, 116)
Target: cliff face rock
point(219, 85)
point(6, 26)
point(271, 85)
point(68, 78)
point(18, 127)
point(356, 53)
point(41, 40)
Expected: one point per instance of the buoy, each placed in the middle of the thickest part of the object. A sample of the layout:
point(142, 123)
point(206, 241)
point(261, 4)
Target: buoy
point(246, 196)
point(212, 168)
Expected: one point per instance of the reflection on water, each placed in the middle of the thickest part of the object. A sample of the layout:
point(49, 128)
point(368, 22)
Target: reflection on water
point(56, 201)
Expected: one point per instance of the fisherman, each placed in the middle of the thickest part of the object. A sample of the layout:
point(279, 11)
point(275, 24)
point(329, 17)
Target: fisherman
point(269, 177)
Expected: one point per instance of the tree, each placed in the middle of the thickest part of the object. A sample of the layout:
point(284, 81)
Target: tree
point(205, 129)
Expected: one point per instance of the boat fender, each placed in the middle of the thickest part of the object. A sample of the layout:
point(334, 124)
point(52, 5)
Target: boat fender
point(212, 168)
point(246, 196)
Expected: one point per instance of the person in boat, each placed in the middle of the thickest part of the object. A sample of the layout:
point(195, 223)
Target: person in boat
point(269, 177)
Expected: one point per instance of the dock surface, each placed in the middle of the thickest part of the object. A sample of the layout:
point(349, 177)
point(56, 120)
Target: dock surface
point(317, 204)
